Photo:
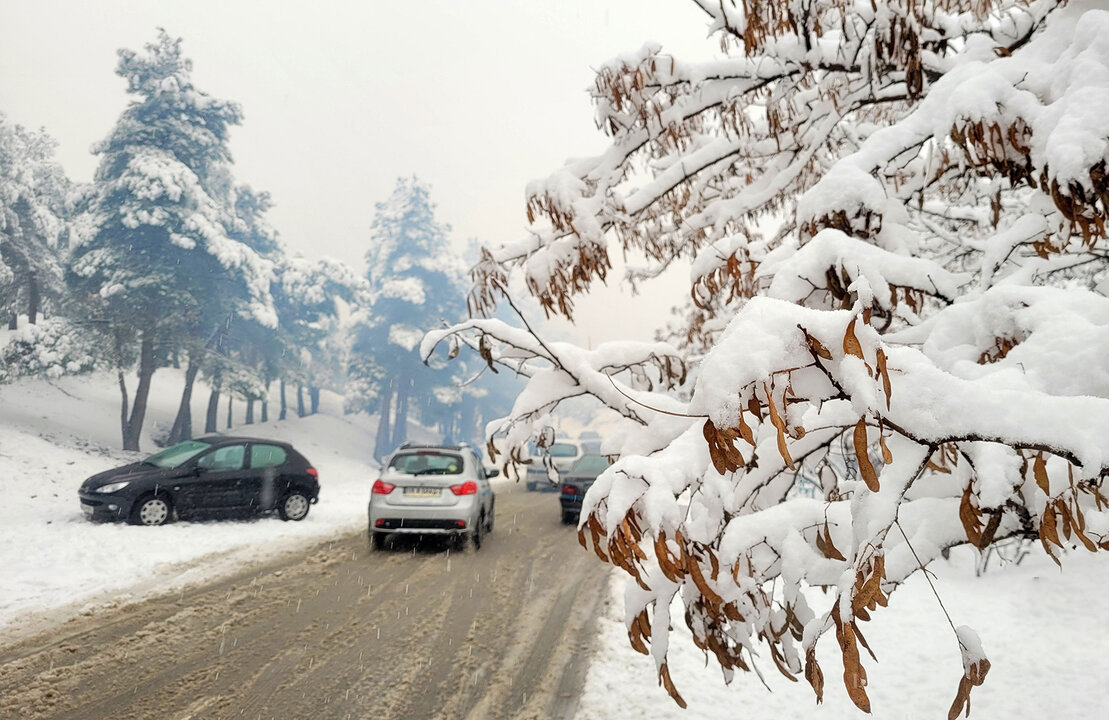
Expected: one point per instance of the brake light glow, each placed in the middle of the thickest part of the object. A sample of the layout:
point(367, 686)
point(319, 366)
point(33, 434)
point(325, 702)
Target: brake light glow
point(569, 490)
point(313, 472)
point(383, 488)
point(467, 488)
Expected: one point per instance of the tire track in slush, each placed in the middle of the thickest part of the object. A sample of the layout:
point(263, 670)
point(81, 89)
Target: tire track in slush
point(338, 631)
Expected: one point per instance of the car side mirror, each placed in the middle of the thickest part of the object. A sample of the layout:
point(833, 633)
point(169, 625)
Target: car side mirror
point(198, 471)
point(492, 473)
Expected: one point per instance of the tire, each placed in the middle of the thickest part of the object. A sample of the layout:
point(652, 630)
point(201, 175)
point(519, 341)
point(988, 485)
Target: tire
point(492, 515)
point(151, 510)
point(294, 506)
point(569, 518)
point(377, 540)
point(477, 535)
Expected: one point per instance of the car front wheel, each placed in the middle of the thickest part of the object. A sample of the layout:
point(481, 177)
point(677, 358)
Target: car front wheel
point(151, 510)
point(294, 506)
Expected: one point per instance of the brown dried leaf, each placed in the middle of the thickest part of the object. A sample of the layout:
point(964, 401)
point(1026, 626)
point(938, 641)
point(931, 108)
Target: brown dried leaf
point(870, 477)
point(1048, 526)
point(883, 372)
point(887, 456)
point(710, 595)
point(825, 545)
point(814, 675)
point(815, 345)
point(970, 516)
point(1039, 469)
point(851, 345)
point(666, 682)
point(780, 425)
point(854, 675)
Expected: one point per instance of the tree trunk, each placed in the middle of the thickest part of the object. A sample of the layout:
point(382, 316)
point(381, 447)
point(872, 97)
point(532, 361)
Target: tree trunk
point(183, 423)
point(230, 403)
point(284, 405)
point(382, 446)
point(400, 421)
point(13, 321)
point(314, 399)
point(133, 430)
point(122, 404)
point(34, 299)
point(249, 412)
point(300, 401)
point(213, 407)
point(266, 403)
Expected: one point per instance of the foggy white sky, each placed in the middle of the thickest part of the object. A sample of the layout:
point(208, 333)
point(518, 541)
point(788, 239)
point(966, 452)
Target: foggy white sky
point(476, 97)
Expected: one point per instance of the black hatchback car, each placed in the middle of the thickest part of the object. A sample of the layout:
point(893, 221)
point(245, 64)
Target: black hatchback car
point(213, 475)
point(576, 481)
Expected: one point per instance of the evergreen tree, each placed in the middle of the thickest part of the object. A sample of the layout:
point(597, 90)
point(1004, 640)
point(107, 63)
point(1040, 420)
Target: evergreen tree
point(159, 253)
point(414, 284)
point(33, 221)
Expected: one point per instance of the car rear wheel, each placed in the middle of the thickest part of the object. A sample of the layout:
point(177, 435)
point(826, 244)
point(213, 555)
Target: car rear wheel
point(568, 518)
point(489, 523)
point(377, 540)
point(477, 535)
point(294, 506)
point(151, 510)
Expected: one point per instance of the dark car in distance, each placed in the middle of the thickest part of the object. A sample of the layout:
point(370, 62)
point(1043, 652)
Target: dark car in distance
point(212, 475)
point(576, 481)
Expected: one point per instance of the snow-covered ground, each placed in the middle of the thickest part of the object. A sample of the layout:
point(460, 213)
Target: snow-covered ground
point(54, 562)
point(1043, 628)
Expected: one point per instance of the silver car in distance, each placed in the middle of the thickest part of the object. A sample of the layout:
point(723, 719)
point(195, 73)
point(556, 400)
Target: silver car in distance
point(432, 490)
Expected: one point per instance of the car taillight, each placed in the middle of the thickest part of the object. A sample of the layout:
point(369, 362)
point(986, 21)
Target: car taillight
point(383, 488)
point(569, 490)
point(313, 472)
point(467, 488)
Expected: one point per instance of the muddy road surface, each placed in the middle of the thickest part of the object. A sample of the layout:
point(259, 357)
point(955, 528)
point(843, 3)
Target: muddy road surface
point(339, 631)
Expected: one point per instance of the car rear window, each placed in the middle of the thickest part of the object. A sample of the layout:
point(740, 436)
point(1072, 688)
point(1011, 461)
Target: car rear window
point(592, 463)
point(563, 450)
point(264, 456)
point(427, 463)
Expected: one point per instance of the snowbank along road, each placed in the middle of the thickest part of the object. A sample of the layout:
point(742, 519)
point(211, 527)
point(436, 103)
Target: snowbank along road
point(339, 631)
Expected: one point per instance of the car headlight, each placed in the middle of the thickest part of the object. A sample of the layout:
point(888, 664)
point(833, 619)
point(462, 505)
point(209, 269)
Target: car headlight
point(112, 487)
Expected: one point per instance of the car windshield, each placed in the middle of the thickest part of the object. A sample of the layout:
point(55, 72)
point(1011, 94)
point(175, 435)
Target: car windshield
point(427, 463)
point(563, 450)
point(591, 463)
point(177, 455)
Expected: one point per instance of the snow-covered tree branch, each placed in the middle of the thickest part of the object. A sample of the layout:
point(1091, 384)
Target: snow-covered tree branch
point(895, 218)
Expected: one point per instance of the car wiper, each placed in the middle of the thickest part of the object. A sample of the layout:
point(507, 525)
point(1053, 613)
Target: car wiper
point(430, 471)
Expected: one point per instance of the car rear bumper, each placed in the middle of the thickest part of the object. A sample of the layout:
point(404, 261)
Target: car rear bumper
point(429, 520)
point(420, 527)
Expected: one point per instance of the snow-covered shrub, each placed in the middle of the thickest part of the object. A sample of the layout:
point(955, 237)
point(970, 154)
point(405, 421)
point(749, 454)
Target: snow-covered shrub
point(49, 349)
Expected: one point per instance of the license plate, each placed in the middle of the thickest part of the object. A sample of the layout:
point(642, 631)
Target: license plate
point(425, 492)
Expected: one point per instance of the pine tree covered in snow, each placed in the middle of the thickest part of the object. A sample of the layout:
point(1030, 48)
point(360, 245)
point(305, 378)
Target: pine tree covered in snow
point(415, 283)
point(158, 246)
point(33, 221)
point(919, 334)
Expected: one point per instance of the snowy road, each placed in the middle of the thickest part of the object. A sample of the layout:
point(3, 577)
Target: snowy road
point(337, 632)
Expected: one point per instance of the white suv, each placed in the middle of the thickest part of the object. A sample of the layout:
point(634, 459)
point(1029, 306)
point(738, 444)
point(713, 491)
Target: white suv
point(563, 453)
point(432, 490)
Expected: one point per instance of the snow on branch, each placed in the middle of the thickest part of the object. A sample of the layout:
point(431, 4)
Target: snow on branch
point(896, 218)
